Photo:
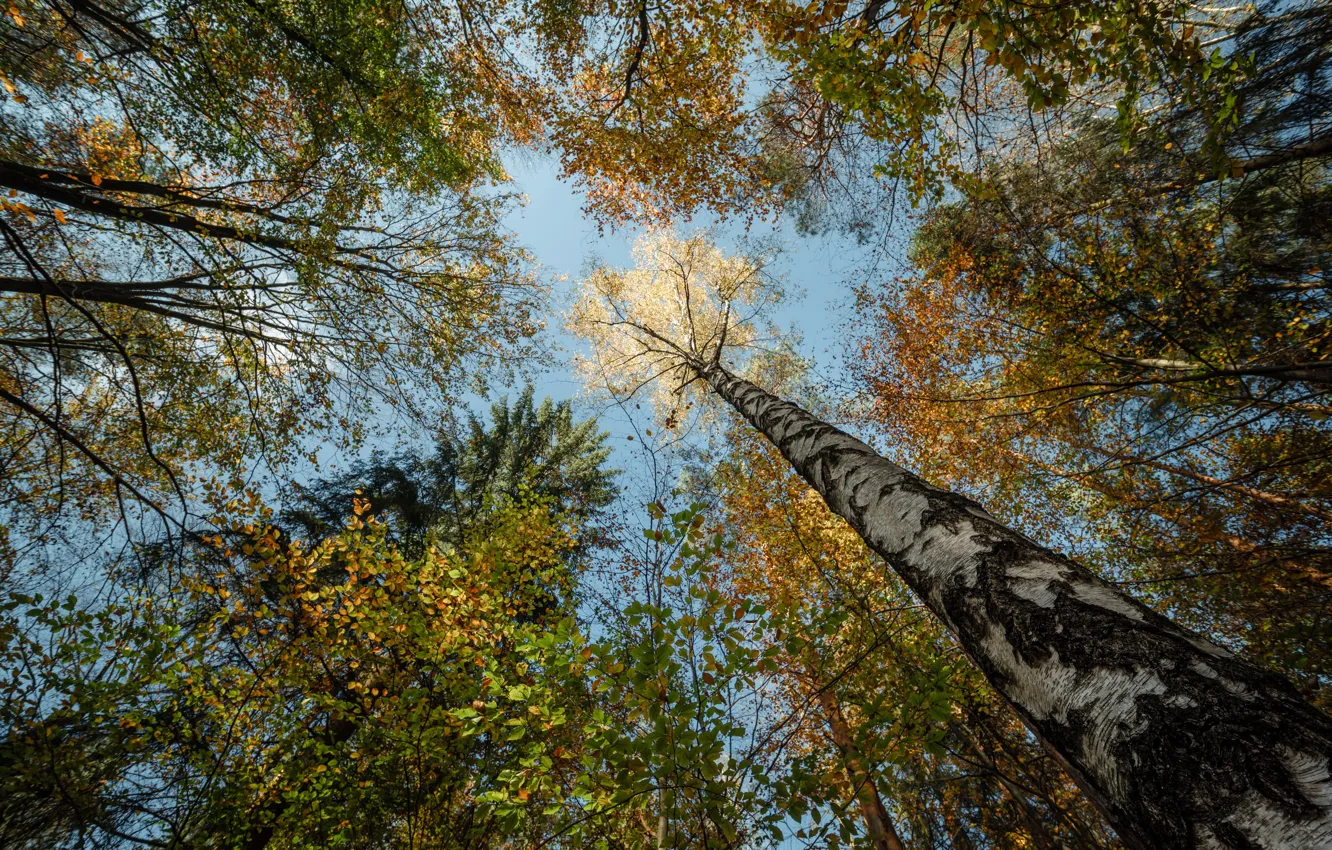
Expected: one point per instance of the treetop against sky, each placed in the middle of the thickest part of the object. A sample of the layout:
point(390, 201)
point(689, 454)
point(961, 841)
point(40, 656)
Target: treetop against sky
point(948, 463)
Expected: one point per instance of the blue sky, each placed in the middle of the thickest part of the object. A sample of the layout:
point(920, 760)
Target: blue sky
point(818, 270)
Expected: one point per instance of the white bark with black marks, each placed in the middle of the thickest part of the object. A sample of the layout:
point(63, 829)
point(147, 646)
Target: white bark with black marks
point(1180, 743)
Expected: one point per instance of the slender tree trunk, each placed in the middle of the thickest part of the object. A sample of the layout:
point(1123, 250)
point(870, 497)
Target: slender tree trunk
point(878, 825)
point(1032, 818)
point(1177, 741)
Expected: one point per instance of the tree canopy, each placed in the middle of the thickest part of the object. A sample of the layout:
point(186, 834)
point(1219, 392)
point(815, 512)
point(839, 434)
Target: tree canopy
point(1039, 557)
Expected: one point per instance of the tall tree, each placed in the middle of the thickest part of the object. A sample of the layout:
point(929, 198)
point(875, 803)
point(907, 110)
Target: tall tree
point(373, 684)
point(336, 693)
point(1175, 739)
point(231, 225)
point(657, 115)
point(918, 737)
point(524, 449)
point(1119, 329)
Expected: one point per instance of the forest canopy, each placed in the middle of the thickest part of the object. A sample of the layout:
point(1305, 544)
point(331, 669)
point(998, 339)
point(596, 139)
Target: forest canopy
point(338, 510)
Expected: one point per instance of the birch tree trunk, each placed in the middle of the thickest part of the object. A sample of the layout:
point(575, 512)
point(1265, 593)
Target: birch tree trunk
point(879, 826)
point(1177, 741)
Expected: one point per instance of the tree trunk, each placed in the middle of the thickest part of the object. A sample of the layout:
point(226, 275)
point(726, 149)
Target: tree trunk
point(878, 825)
point(1177, 741)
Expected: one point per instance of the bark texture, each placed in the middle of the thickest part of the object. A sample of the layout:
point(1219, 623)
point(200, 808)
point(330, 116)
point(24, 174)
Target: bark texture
point(1180, 743)
point(878, 825)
